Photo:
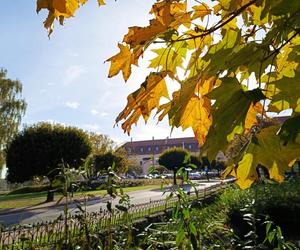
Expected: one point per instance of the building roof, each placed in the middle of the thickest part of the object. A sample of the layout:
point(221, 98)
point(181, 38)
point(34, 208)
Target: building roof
point(157, 146)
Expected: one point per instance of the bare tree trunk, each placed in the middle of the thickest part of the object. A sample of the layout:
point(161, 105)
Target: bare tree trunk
point(50, 194)
point(174, 178)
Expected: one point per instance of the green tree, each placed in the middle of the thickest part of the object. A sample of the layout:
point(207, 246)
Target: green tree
point(134, 169)
point(195, 160)
point(100, 163)
point(174, 159)
point(233, 60)
point(40, 149)
point(12, 108)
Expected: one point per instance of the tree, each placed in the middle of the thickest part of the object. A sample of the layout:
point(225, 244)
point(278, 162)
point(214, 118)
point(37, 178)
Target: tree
point(134, 169)
point(195, 160)
point(101, 143)
point(12, 108)
point(39, 150)
point(100, 163)
point(173, 159)
point(234, 60)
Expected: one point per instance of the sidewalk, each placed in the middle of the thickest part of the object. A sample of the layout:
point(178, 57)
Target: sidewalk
point(53, 204)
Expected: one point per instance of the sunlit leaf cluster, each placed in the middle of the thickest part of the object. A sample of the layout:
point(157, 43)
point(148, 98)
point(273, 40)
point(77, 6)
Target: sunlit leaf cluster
point(234, 60)
point(59, 10)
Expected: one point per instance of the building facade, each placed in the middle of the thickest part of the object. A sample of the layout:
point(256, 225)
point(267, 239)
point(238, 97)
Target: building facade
point(146, 153)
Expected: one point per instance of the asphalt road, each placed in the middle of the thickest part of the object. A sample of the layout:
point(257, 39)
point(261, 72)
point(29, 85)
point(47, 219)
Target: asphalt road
point(30, 216)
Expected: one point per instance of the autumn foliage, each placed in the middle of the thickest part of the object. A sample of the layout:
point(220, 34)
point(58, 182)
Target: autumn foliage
point(235, 60)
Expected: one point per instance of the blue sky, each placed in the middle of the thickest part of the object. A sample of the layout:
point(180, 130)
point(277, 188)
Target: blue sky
point(65, 78)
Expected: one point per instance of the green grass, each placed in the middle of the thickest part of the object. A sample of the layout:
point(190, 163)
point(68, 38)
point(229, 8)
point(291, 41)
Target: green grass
point(33, 199)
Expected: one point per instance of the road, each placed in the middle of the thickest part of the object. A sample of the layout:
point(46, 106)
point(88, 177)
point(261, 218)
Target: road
point(30, 216)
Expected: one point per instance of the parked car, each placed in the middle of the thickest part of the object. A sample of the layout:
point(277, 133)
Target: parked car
point(195, 176)
point(142, 176)
point(169, 176)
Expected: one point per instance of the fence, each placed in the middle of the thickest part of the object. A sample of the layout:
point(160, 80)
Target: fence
point(49, 233)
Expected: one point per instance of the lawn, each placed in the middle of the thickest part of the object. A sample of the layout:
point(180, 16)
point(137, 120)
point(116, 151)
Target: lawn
point(33, 199)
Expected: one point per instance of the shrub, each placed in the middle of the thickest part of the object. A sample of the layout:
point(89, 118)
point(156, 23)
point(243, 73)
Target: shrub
point(272, 200)
point(174, 159)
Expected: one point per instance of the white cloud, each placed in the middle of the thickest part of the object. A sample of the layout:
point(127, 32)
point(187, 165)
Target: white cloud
point(119, 142)
point(102, 114)
point(94, 112)
point(72, 73)
point(92, 127)
point(72, 105)
point(71, 53)
point(97, 113)
point(55, 122)
point(160, 131)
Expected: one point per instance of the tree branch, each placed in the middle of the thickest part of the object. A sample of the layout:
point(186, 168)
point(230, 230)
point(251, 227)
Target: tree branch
point(217, 26)
point(276, 51)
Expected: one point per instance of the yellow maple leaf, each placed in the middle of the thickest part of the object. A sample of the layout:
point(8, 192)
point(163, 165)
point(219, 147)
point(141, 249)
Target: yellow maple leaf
point(245, 173)
point(190, 107)
point(251, 117)
point(58, 9)
point(161, 11)
point(167, 13)
point(144, 100)
point(121, 62)
point(276, 173)
point(197, 116)
point(140, 35)
point(132, 119)
point(201, 11)
point(178, 8)
point(101, 2)
point(183, 19)
point(136, 53)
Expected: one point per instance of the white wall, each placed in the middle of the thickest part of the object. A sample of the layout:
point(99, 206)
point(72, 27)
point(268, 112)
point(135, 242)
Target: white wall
point(3, 172)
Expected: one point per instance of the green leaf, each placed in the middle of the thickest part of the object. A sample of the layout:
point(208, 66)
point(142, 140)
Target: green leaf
point(229, 111)
point(289, 91)
point(180, 236)
point(193, 228)
point(266, 150)
point(271, 236)
point(250, 56)
point(284, 7)
point(169, 58)
point(290, 129)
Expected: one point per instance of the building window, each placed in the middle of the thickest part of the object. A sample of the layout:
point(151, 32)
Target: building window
point(156, 148)
point(142, 149)
point(149, 149)
point(190, 146)
point(129, 150)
